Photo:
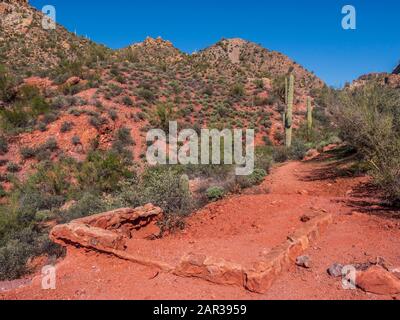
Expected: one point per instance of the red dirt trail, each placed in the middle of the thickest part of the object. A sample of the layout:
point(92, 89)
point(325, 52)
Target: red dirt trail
point(240, 229)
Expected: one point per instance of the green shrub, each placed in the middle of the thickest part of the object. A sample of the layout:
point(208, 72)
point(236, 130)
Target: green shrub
point(369, 120)
point(215, 193)
point(27, 153)
point(7, 83)
point(298, 150)
point(237, 90)
point(13, 167)
point(127, 101)
point(97, 121)
point(25, 108)
point(17, 248)
point(280, 154)
point(102, 171)
point(66, 127)
point(113, 114)
point(124, 135)
point(161, 186)
point(88, 204)
point(50, 144)
point(256, 178)
point(76, 140)
point(146, 94)
point(3, 145)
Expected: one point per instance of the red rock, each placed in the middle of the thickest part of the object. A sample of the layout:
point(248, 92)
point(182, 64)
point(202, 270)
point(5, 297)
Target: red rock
point(214, 270)
point(311, 154)
point(377, 280)
point(106, 230)
point(86, 236)
point(73, 81)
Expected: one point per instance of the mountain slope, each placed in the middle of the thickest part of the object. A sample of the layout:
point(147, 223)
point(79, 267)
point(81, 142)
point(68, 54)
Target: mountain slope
point(232, 84)
point(233, 57)
point(26, 48)
point(152, 52)
point(397, 70)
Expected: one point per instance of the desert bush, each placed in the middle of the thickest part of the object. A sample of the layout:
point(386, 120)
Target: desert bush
point(127, 101)
point(24, 109)
point(18, 246)
point(263, 158)
point(102, 171)
point(278, 87)
point(13, 167)
point(298, 150)
point(76, 140)
point(215, 193)
point(89, 203)
point(280, 154)
point(369, 120)
point(7, 83)
point(237, 90)
point(163, 115)
point(113, 114)
point(161, 186)
point(256, 178)
point(66, 126)
point(146, 94)
point(124, 135)
point(50, 144)
point(27, 152)
point(97, 121)
point(3, 145)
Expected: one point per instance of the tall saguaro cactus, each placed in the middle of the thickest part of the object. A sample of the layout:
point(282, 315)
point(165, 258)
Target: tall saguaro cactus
point(184, 185)
point(289, 112)
point(309, 116)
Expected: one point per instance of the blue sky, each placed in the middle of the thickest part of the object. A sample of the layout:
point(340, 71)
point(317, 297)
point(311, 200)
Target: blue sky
point(308, 31)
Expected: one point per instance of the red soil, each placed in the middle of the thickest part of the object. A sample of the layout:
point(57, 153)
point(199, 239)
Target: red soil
point(240, 229)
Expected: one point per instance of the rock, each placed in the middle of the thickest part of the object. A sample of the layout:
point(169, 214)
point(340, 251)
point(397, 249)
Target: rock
point(68, 205)
point(106, 230)
point(304, 262)
point(88, 237)
point(330, 147)
point(335, 270)
point(380, 261)
point(377, 280)
point(211, 269)
point(303, 192)
point(311, 154)
point(73, 81)
point(396, 272)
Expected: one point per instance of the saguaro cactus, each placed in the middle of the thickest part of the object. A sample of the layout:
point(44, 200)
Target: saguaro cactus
point(309, 116)
point(289, 112)
point(184, 185)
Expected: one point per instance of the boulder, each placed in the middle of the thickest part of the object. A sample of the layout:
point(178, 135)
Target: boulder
point(73, 81)
point(107, 230)
point(88, 237)
point(377, 280)
point(304, 262)
point(335, 270)
point(311, 154)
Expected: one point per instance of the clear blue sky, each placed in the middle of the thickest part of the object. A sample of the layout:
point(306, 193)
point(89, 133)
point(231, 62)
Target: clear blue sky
point(308, 31)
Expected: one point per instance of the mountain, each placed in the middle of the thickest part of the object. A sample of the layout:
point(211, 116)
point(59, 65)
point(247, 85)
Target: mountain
point(233, 57)
point(152, 52)
point(397, 70)
point(385, 79)
point(26, 47)
point(91, 92)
